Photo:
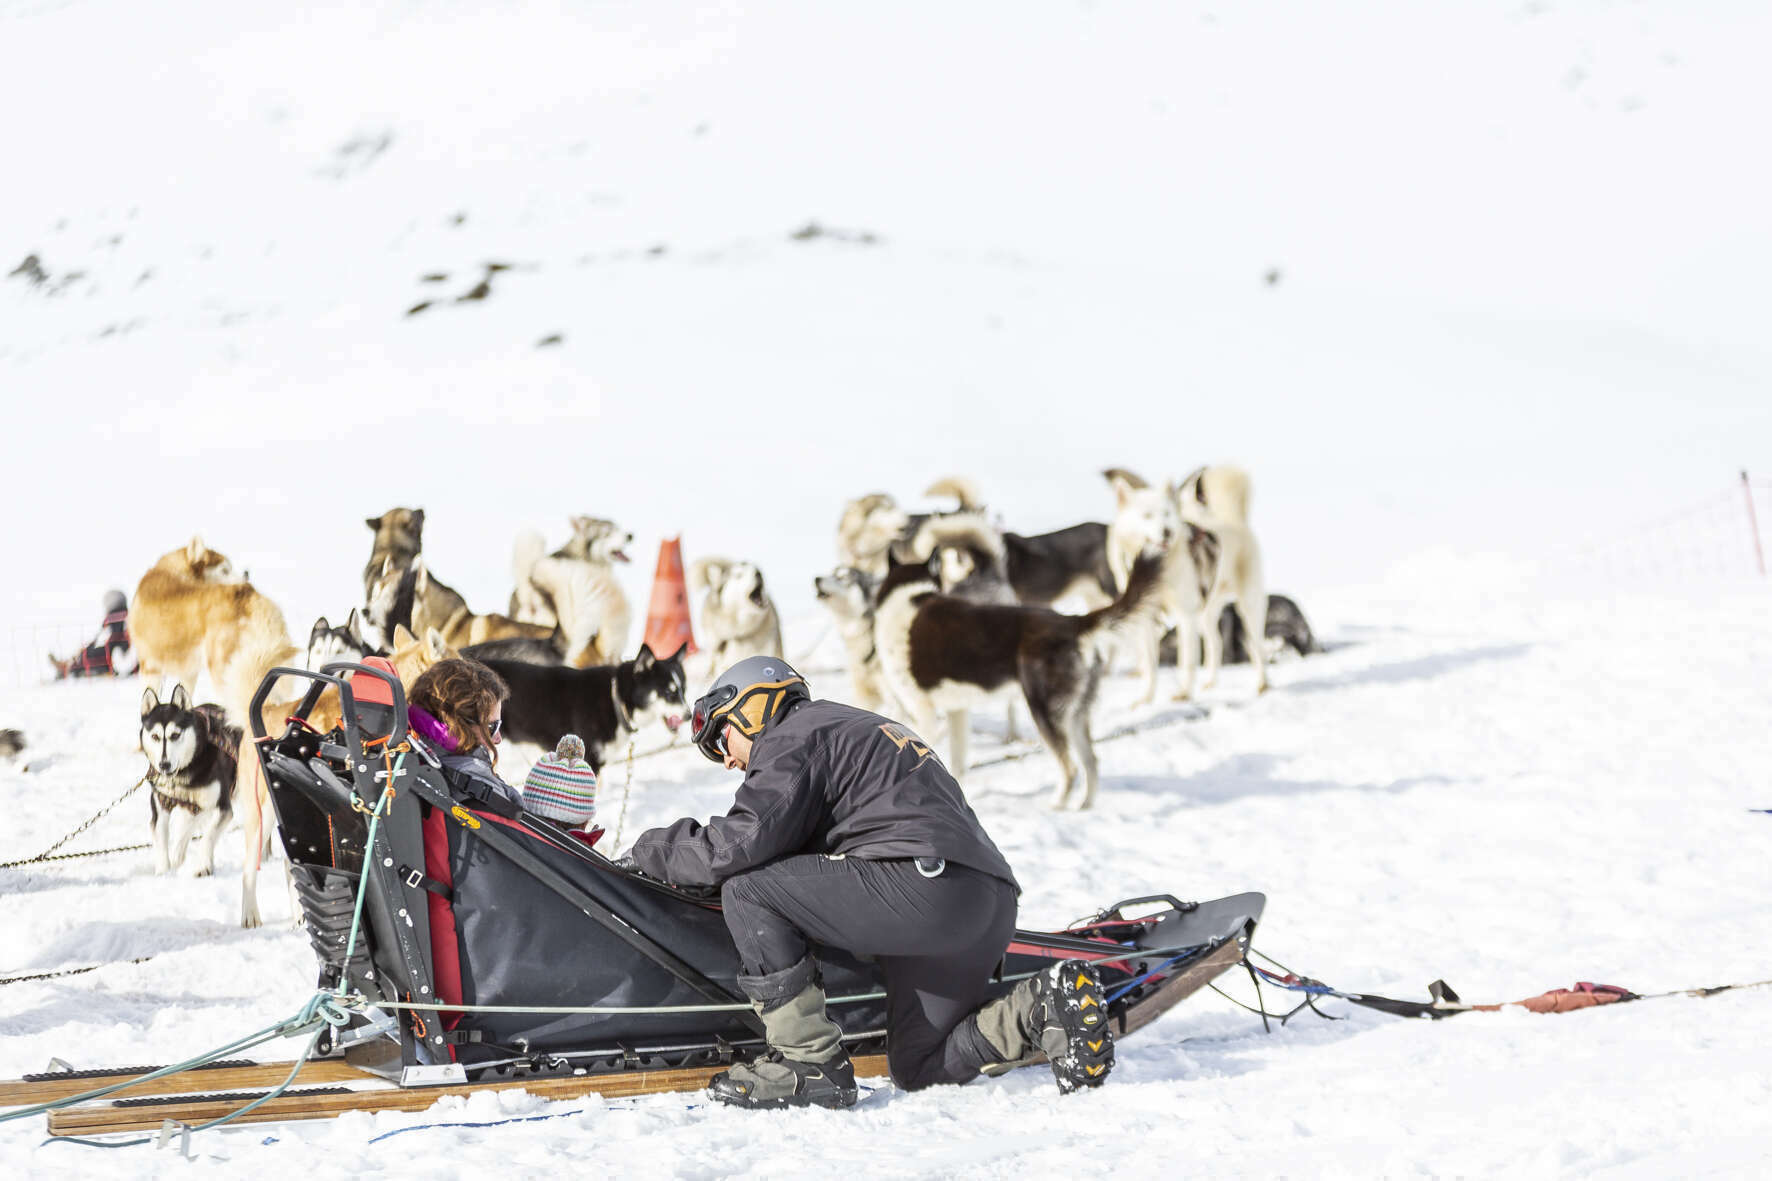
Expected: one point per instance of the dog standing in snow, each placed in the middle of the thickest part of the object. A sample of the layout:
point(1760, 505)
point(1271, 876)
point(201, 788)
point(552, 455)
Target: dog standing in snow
point(193, 759)
point(737, 614)
point(1211, 560)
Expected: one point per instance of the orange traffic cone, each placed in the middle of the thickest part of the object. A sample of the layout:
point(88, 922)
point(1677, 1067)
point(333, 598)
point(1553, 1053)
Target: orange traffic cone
point(667, 619)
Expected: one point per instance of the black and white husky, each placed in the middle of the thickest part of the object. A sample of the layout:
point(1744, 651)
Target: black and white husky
point(327, 644)
point(605, 706)
point(193, 755)
point(944, 655)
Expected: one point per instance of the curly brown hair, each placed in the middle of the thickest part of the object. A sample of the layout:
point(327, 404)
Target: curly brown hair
point(461, 694)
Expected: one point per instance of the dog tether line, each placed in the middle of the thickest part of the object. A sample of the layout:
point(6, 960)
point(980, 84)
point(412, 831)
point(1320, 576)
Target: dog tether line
point(50, 853)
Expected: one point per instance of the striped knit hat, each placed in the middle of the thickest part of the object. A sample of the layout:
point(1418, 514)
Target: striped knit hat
point(562, 785)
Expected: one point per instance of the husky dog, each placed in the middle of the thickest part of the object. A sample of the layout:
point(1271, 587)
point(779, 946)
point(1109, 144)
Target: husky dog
point(461, 626)
point(873, 525)
point(12, 742)
point(848, 594)
point(518, 649)
point(575, 589)
point(410, 657)
point(1211, 561)
point(737, 614)
point(400, 594)
point(192, 755)
point(1036, 570)
point(944, 654)
point(604, 706)
point(327, 644)
point(399, 535)
point(189, 613)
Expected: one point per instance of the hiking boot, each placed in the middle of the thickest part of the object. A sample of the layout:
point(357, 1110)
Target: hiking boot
point(1060, 1015)
point(775, 1081)
point(806, 1065)
point(1070, 1024)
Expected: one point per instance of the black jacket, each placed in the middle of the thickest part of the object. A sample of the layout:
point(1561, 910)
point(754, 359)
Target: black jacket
point(828, 778)
point(472, 775)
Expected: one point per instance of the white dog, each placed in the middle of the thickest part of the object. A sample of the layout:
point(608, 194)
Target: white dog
point(737, 615)
point(1211, 561)
point(576, 588)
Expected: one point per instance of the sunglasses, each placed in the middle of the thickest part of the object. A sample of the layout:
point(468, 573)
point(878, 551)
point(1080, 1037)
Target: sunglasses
point(707, 729)
point(494, 730)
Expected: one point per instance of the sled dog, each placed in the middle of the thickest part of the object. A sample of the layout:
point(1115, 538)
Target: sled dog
point(399, 535)
point(192, 755)
point(848, 594)
point(1210, 561)
point(410, 657)
point(605, 706)
point(942, 654)
point(873, 525)
point(737, 614)
point(189, 614)
point(1036, 570)
point(400, 594)
point(327, 644)
point(576, 589)
point(461, 626)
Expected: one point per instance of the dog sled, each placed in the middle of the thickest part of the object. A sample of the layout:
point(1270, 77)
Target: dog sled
point(475, 946)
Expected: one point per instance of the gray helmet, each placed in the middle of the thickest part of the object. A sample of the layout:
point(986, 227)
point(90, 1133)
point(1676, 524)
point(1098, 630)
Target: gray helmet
point(115, 602)
point(750, 695)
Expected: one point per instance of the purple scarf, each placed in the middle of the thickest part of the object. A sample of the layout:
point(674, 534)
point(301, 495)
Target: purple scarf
point(430, 729)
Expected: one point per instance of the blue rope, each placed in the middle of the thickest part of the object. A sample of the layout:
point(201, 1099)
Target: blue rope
point(1151, 975)
point(322, 1011)
point(491, 1123)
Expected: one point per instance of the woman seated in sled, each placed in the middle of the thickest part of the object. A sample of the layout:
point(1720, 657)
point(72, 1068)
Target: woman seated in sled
point(457, 708)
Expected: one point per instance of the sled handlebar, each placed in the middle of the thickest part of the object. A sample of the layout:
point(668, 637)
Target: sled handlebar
point(1176, 904)
point(331, 675)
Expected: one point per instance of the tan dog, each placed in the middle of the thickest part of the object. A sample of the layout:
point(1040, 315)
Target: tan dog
point(190, 613)
point(873, 526)
point(252, 793)
point(737, 614)
point(461, 626)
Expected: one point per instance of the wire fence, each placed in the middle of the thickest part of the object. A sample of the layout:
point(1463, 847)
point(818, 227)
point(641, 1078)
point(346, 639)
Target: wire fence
point(30, 645)
point(1723, 535)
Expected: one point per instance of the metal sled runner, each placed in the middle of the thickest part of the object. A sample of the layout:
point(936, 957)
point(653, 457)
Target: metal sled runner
point(496, 950)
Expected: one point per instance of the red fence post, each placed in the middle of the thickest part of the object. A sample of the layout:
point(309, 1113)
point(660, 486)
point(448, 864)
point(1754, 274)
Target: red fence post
point(1753, 522)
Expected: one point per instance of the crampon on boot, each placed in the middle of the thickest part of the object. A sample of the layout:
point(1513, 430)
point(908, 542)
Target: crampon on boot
point(775, 1081)
point(1071, 1025)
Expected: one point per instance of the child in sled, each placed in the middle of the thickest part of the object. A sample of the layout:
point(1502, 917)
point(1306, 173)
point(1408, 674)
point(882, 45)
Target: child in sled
point(110, 653)
point(562, 787)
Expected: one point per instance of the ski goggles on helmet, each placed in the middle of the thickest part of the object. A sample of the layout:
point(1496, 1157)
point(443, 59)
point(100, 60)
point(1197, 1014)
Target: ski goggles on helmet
point(707, 722)
point(750, 709)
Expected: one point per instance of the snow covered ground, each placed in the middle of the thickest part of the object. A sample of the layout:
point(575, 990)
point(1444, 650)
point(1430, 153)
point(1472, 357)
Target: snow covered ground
point(1512, 798)
point(1469, 289)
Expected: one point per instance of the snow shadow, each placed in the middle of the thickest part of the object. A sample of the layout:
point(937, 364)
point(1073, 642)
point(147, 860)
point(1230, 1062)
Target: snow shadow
point(25, 881)
point(1242, 776)
point(1424, 668)
point(108, 942)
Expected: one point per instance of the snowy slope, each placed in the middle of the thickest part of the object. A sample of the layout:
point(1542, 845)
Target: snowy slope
point(1518, 254)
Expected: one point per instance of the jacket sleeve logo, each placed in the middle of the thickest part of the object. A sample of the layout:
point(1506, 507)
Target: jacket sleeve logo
point(902, 737)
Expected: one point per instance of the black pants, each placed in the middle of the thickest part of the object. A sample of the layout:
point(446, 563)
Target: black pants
point(936, 940)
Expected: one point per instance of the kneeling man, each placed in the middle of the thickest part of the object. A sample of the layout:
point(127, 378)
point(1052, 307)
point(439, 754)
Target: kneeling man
point(848, 831)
